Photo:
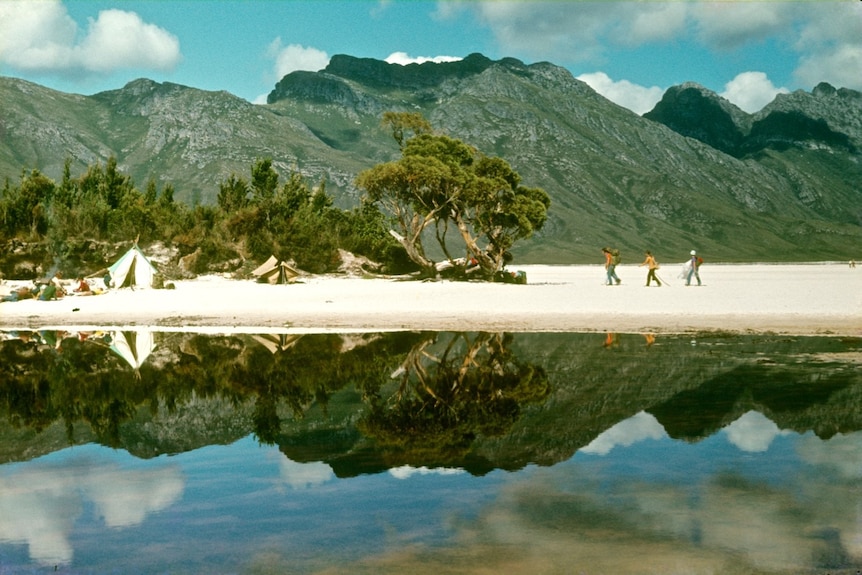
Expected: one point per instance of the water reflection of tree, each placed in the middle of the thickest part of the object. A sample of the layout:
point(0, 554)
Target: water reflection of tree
point(69, 381)
point(448, 393)
point(77, 381)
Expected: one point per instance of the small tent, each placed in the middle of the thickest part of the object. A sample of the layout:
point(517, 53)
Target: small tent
point(132, 269)
point(275, 272)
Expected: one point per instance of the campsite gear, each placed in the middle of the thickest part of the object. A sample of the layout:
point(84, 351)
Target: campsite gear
point(132, 269)
point(273, 271)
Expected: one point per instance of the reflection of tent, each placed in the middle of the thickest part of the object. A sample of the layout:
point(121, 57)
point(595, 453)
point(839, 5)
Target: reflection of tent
point(132, 269)
point(133, 346)
point(275, 272)
point(276, 341)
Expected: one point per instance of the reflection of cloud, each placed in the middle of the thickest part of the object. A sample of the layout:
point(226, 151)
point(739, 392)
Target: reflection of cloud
point(406, 471)
point(637, 428)
point(301, 475)
point(842, 452)
point(753, 432)
point(39, 505)
point(566, 518)
point(126, 498)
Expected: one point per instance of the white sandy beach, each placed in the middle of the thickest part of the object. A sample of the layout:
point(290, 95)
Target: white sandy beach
point(799, 299)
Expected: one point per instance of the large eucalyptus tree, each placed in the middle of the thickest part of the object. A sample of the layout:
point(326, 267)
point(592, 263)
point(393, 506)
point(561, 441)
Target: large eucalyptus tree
point(443, 188)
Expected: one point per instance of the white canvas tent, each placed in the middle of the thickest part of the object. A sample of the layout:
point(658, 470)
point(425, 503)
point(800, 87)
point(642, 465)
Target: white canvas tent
point(132, 269)
point(133, 346)
point(275, 272)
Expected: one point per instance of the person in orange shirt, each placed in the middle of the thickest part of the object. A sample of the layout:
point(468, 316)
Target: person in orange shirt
point(653, 266)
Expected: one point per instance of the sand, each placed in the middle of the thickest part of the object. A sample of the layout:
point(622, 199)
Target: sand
point(799, 299)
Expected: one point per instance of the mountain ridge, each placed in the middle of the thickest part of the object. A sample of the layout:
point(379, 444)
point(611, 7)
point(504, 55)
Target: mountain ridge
point(615, 178)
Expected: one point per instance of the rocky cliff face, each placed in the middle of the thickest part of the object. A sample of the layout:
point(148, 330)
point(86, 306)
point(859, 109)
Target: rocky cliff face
point(696, 172)
point(693, 111)
point(826, 119)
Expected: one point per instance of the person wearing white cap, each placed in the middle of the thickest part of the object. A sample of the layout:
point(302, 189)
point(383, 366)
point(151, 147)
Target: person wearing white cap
point(693, 270)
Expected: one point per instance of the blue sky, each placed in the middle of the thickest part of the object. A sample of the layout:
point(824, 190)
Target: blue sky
point(630, 52)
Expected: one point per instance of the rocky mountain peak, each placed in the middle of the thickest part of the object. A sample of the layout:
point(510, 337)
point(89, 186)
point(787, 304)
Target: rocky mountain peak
point(824, 89)
point(694, 111)
point(382, 75)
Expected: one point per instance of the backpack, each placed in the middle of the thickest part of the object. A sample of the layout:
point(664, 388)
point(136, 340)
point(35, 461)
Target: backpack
point(615, 257)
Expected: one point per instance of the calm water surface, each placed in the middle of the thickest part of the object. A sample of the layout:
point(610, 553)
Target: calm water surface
point(141, 452)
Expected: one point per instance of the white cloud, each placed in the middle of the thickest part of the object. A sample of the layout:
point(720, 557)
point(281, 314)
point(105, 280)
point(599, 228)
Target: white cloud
point(638, 99)
point(579, 31)
point(840, 67)
point(830, 45)
point(35, 35)
point(583, 31)
point(291, 58)
point(751, 91)
point(40, 36)
point(294, 57)
point(403, 58)
point(118, 39)
point(639, 427)
point(652, 22)
point(728, 25)
point(827, 36)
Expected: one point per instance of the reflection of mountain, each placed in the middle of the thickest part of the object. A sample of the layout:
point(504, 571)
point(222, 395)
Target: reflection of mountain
point(595, 387)
point(310, 397)
point(791, 396)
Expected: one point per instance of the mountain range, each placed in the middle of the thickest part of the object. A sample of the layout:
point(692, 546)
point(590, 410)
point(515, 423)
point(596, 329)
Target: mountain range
point(696, 172)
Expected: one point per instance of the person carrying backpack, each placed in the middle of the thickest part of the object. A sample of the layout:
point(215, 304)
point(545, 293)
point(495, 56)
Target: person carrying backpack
point(612, 258)
point(693, 268)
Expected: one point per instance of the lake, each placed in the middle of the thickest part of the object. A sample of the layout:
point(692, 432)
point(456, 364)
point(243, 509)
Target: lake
point(429, 452)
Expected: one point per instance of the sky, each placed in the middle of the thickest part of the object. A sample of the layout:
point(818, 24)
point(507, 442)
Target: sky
point(630, 52)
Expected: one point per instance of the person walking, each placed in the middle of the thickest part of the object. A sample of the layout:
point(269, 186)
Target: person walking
point(611, 261)
point(693, 268)
point(653, 266)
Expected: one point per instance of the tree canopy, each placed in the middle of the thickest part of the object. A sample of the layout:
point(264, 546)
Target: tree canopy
point(445, 189)
point(256, 216)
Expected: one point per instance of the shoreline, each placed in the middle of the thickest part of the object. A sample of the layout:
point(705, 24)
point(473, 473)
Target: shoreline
point(788, 299)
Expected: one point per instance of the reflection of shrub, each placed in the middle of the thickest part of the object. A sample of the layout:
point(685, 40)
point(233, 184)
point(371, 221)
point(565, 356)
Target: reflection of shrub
point(434, 432)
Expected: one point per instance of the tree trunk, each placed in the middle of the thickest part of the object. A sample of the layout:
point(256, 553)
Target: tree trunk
point(415, 255)
point(488, 264)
